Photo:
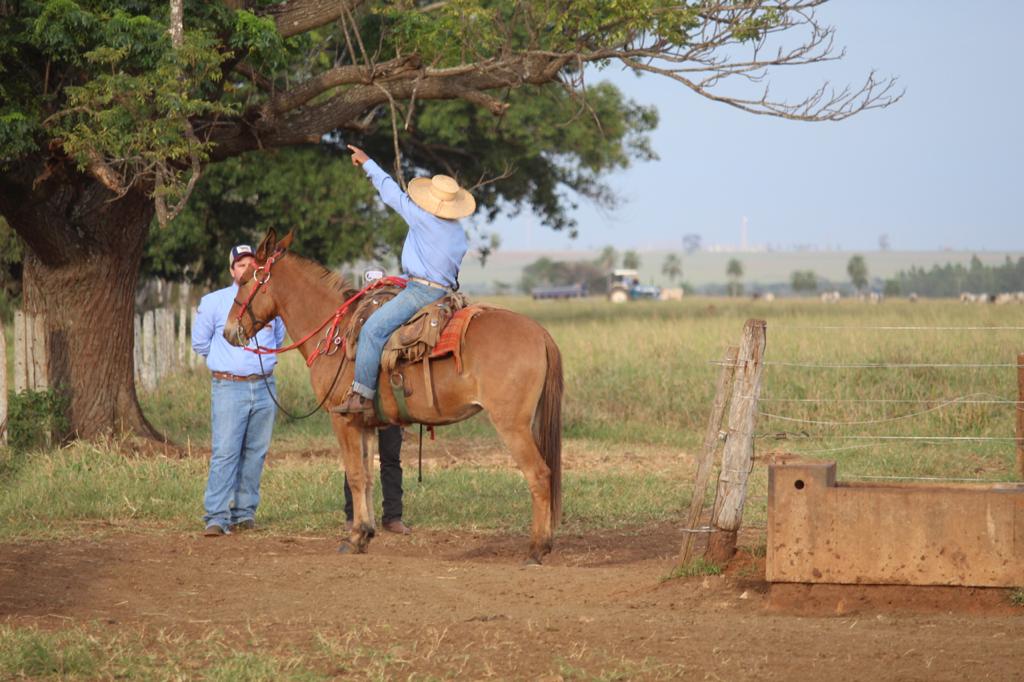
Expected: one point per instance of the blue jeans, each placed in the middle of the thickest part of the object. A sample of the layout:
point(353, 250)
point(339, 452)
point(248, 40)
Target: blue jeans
point(242, 420)
point(380, 326)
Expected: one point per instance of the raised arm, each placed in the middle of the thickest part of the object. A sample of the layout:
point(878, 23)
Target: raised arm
point(389, 191)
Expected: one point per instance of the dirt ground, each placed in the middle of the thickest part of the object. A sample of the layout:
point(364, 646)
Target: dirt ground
point(461, 605)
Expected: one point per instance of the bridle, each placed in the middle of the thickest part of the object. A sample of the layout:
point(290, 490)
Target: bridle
point(265, 269)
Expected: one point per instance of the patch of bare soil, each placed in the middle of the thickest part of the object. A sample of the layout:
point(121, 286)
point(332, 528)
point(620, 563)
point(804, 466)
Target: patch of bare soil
point(456, 604)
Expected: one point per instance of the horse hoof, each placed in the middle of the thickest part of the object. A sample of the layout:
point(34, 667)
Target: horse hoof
point(346, 547)
point(532, 561)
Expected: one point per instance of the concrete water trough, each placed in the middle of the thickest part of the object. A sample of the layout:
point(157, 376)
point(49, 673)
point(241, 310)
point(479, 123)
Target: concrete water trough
point(824, 531)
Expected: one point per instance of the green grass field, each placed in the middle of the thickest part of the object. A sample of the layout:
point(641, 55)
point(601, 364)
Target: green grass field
point(637, 375)
point(639, 382)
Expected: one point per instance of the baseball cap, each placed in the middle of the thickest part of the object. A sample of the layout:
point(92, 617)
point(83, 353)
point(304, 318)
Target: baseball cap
point(239, 251)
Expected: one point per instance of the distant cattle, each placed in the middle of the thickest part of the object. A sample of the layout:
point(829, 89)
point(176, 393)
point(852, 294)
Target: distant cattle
point(998, 299)
point(870, 297)
point(830, 296)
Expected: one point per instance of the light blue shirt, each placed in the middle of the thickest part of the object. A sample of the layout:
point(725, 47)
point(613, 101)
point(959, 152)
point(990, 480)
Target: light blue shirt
point(208, 337)
point(434, 247)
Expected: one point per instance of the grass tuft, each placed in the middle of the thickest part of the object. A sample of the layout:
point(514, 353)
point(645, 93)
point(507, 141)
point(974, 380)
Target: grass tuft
point(695, 567)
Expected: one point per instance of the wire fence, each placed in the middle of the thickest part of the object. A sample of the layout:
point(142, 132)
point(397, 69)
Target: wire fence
point(857, 429)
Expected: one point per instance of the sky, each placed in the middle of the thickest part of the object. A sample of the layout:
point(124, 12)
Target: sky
point(940, 169)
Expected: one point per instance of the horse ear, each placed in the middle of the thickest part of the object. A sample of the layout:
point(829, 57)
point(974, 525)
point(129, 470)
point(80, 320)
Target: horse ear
point(286, 241)
point(267, 246)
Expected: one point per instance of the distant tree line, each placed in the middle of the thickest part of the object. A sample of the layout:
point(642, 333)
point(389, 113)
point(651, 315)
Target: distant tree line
point(545, 272)
point(952, 279)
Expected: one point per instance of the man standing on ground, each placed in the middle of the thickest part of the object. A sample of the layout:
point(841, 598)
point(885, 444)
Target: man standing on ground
point(242, 409)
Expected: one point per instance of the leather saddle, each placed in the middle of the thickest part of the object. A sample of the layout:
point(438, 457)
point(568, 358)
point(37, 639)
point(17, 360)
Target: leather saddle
point(414, 340)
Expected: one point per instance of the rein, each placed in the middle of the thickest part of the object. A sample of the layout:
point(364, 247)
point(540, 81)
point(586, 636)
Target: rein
point(266, 383)
point(334, 319)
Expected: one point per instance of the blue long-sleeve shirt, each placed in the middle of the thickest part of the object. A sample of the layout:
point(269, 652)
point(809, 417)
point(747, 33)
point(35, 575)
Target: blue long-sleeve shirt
point(434, 247)
point(208, 337)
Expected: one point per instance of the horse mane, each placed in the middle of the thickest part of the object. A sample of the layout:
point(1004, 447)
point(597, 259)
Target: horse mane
point(330, 278)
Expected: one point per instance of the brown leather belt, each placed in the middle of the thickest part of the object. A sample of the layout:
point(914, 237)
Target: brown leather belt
point(226, 376)
point(427, 282)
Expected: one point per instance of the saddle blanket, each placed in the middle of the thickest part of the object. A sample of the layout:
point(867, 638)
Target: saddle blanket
point(454, 333)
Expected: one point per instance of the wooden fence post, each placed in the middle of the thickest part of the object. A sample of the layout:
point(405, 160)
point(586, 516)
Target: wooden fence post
point(1020, 415)
point(137, 349)
point(3, 381)
point(40, 354)
point(183, 345)
point(195, 359)
point(712, 437)
point(738, 456)
point(20, 346)
point(149, 350)
point(166, 353)
point(159, 352)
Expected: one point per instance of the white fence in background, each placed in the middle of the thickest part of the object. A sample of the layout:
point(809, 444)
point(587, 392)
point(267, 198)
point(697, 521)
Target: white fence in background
point(163, 341)
point(163, 344)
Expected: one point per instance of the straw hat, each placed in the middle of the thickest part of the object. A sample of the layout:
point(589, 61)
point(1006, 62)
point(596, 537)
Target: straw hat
point(442, 196)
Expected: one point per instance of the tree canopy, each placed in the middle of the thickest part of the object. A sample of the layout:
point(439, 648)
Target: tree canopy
point(672, 267)
point(804, 281)
point(134, 108)
point(857, 269)
point(734, 269)
point(631, 259)
point(953, 279)
point(315, 190)
point(111, 112)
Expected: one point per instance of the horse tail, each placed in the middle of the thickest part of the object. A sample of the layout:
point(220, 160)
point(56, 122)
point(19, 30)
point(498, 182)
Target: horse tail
point(547, 425)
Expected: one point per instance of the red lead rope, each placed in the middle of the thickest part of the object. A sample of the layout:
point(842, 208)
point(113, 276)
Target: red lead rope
point(334, 320)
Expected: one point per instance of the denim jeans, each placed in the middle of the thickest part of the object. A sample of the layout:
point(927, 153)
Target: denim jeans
point(378, 329)
point(389, 442)
point(242, 420)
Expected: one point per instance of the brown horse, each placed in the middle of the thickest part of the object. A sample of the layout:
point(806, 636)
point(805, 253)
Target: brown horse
point(511, 368)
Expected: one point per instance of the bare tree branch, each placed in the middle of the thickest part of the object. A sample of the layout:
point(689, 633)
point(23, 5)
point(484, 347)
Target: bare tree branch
point(108, 177)
point(298, 16)
point(735, 42)
point(483, 180)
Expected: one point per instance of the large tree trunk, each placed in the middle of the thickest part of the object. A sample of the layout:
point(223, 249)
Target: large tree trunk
point(80, 273)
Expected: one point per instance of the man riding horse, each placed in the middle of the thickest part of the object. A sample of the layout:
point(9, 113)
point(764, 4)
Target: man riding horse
point(509, 366)
point(431, 257)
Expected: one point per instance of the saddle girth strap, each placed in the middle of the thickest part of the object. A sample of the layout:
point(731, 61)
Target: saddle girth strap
point(398, 391)
point(378, 409)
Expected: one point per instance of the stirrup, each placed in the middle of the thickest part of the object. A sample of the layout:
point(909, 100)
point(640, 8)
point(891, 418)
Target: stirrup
point(354, 404)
